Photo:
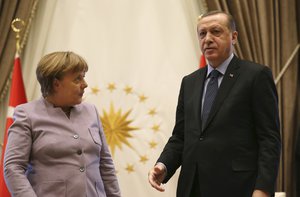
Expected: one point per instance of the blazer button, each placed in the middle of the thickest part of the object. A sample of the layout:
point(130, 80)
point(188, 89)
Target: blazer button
point(81, 169)
point(76, 136)
point(79, 152)
point(201, 138)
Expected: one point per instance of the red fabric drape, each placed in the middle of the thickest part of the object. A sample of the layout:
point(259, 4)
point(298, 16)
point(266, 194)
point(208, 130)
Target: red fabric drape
point(17, 96)
point(202, 62)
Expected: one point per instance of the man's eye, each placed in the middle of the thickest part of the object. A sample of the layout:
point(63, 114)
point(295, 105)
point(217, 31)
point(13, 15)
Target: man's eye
point(216, 32)
point(202, 34)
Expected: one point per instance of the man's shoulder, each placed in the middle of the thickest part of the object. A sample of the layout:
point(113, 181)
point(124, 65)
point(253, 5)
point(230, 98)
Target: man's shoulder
point(195, 73)
point(250, 65)
point(249, 69)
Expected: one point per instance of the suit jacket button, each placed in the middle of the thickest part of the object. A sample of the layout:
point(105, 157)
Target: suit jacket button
point(81, 169)
point(201, 138)
point(79, 152)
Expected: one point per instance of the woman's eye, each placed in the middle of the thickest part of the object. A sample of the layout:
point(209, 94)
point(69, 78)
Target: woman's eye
point(78, 79)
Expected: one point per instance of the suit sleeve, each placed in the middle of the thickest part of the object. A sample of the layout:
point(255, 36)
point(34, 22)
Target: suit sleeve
point(107, 168)
point(17, 155)
point(265, 101)
point(171, 156)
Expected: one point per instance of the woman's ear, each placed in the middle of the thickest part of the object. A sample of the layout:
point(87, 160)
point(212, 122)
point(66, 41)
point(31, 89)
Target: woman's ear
point(56, 84)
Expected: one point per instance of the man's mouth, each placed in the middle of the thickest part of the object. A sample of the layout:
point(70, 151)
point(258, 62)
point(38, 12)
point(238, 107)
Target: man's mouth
point(209, 48)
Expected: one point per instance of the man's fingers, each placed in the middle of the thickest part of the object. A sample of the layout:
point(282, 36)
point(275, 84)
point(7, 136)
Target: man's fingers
point(156, 184)
point(158, 168)
point(155, 178)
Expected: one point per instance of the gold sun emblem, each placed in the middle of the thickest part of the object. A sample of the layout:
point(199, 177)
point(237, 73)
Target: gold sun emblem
point(132, 128)
point(117, 128)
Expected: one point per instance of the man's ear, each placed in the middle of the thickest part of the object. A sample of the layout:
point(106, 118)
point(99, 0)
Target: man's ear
point(234, 37)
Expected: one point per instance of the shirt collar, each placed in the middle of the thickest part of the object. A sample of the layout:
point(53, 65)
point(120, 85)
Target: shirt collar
point(222, 68)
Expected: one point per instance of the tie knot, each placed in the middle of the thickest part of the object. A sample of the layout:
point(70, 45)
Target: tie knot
point(214, 74)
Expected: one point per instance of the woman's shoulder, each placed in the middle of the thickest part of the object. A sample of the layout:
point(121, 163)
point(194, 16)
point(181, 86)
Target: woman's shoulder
point(31, 104)
point(86, 107)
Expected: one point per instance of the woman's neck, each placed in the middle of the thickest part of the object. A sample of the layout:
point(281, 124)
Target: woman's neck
point(67, 110)
point(55, 103)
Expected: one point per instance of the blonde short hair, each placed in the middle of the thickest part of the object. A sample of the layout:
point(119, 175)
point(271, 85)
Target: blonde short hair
point(55, 65)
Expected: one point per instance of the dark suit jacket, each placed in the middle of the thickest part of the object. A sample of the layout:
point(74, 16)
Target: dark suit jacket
point(239, 148)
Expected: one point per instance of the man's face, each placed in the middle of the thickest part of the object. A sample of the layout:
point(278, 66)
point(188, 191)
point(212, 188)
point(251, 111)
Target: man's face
point(215, 38)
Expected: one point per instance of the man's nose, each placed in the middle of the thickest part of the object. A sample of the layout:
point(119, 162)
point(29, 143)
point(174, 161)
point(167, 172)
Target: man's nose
point(208, 37)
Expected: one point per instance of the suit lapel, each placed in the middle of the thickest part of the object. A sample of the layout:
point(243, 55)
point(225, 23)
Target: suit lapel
point(230, 77)
point(198, 91)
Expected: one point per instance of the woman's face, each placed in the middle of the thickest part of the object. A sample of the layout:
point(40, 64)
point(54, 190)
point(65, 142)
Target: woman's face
point(70, 88)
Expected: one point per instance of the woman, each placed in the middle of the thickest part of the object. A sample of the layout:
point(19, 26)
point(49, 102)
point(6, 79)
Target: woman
point(56, 145)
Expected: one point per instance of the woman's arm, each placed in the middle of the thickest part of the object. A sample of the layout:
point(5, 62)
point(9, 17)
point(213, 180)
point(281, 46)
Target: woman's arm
point(17, 154)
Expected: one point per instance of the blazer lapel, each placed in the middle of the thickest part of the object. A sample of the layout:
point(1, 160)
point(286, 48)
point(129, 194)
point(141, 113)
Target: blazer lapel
point(198, 91)
point(230, 77)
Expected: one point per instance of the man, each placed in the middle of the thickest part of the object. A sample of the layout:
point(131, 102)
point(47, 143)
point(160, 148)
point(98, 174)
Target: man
point(227, 145)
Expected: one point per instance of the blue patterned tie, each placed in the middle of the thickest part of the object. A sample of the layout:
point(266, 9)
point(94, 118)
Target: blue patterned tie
point(211, 92)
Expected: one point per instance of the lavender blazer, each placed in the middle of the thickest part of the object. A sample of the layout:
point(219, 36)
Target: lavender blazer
point(49, 154)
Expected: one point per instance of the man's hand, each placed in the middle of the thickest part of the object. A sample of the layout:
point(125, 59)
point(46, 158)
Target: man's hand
point(156, 175)
point(260, 193)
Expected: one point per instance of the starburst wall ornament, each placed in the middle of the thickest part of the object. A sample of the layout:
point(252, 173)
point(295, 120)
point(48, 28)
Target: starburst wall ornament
point(131, 124)
point(117, 128)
